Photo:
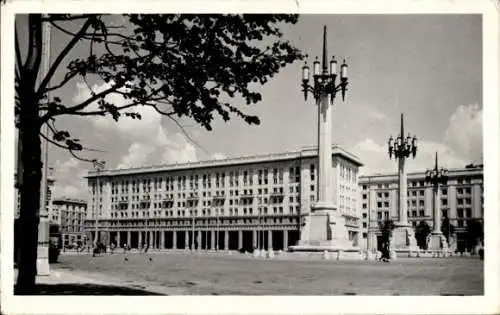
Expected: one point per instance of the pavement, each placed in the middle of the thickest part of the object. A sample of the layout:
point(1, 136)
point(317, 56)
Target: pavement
point(69, 282)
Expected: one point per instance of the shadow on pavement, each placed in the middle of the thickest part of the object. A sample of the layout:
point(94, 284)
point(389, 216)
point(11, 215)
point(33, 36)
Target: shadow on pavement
point(87, 289)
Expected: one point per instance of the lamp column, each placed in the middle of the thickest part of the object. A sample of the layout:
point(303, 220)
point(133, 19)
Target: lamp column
point(436, 241)
point(403, 237)
point(324, 227)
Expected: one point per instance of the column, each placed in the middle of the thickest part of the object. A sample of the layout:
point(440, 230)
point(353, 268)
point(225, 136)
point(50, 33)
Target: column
point(212, 240)
point(240, 239)
point(150, 236)
point(118, 244)
point(162, 239)
point(128, 238)
point(269, 239)
point(285, 240)
point(186, 240)
point(140, 240)
point(226, 240)
point(403, 206)
point(254, 238)
point(174, 239)
point(437, 211)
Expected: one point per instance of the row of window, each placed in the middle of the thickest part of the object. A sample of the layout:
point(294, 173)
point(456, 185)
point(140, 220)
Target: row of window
point(211, 221)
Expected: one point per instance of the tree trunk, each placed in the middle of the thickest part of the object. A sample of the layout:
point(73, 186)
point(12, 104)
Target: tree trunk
point(29, 125)
point(30, 199)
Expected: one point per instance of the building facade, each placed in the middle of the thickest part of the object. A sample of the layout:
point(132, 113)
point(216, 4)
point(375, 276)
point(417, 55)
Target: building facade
point(230, 204)
point(461, 199)
point(70, 215)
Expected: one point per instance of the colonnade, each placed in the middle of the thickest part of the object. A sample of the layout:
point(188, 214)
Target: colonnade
point(209, 239)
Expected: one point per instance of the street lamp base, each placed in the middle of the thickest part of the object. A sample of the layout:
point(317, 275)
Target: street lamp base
point(403, 238)
point(437, 242)
point(324, 229)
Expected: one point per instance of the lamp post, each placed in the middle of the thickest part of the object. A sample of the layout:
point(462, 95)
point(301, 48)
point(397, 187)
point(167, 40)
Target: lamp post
point(98, 165)
point(435, 177)
point(324, 87)
point(402, 148)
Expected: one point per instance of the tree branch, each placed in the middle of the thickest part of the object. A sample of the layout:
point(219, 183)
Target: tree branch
point(66, 17)
point(62, 55)
point(18, 52)
point(66, 79)
point(187, 135)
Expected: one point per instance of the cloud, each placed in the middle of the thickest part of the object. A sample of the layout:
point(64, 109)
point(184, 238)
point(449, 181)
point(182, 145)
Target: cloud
point(67, 184)
point(149, 117)
point(137, 155)
point(465, 132)
point(461, 145)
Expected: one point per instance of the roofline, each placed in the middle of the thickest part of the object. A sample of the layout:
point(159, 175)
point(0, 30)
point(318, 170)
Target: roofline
point(69, 200)
point(451, 172)
point(306, 152)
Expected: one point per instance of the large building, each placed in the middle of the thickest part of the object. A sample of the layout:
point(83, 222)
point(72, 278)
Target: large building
point(237, 203)
point(69, 214)
point(460, 199)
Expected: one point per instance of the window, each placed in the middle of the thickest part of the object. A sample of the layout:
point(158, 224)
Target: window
point(414, 213)
point(444, 213)
point(444, 202)
point(364, 187)
point(312, 187)
point(364, 215)
point(364, 206)
point(422, 193)
point(379, 215)
point(386, 195)
point(468, 212)
point(379, 204)
point(467, 190)
point(460, 191)
point(364, 225)
point(422, 213)
point(379, 195)
point(386, 204)
point(460, 223)
point(365, 235)
point(460, 213)
point(414, 193)
point(364, 196)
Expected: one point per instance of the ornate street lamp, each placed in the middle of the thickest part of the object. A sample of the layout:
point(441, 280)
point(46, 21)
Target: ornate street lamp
point(324, 88)
point(437, 176)
point(325, 79)
point(402, 148)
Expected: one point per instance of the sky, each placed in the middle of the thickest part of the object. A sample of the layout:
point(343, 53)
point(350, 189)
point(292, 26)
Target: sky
point(428, 67)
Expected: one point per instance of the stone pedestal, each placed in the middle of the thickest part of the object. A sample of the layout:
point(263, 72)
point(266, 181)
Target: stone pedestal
point(403, 239)
point(42, 258)
point(323, 231)
point(437, 242)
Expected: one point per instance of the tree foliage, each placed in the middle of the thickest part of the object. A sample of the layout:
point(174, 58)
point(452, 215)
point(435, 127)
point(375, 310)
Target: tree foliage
point(179, 65)
point(386, 228)
point(422, 230)
point(474, 234)
point(447, 228)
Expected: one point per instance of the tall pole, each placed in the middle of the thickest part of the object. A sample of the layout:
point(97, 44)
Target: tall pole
point(403, 206)
point(324, 90)
point(324, 137)
point(97, 209)
point(369, 217)
point(43, 227)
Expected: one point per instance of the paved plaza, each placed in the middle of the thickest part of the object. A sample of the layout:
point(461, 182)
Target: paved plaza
point(176, 273)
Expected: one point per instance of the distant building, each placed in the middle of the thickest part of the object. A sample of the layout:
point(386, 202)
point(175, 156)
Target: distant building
point(246, 202)
point(461, 199)
point(70, 215)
